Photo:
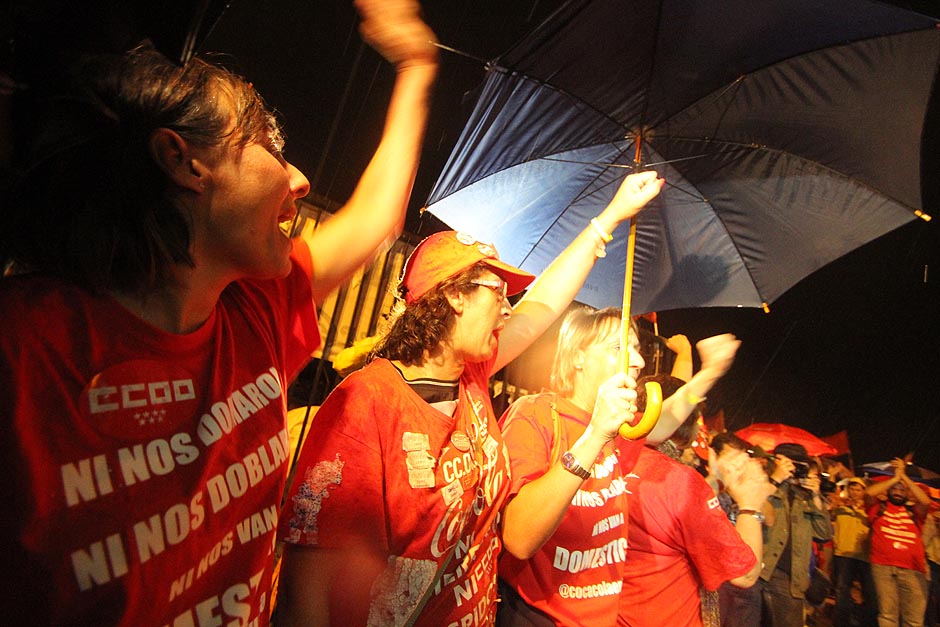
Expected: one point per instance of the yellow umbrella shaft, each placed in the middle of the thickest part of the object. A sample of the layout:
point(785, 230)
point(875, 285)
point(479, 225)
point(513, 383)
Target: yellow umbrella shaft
point(627, 298)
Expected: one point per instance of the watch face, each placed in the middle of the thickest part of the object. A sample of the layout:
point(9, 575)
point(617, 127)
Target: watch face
point(570, 463)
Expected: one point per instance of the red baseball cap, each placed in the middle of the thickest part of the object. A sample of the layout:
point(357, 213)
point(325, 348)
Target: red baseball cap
point(448, 253)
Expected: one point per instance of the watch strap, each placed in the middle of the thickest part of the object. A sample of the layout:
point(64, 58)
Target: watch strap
point(570, 463)
point(752, 512)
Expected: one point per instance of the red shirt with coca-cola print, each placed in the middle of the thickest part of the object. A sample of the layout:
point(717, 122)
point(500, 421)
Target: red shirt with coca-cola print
point(402, 490)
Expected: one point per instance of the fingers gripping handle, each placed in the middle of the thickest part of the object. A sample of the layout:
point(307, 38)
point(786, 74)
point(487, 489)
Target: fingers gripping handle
point(654, 406)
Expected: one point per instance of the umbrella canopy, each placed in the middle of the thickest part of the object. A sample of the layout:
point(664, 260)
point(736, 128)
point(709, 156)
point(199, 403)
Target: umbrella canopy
point(768, 435)
point(883, 470)
point(789, 133)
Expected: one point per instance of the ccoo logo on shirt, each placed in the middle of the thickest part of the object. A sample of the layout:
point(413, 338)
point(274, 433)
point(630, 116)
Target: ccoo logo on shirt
point(139, 399)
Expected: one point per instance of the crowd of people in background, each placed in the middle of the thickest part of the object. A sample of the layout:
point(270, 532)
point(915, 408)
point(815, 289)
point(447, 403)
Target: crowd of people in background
point(156, 312)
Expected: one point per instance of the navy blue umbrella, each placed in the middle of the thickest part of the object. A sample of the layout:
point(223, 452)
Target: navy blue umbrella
point(789, 133)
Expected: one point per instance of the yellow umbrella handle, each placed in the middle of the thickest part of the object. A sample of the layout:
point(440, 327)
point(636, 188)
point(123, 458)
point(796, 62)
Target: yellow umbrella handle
point(654, 393)
point(654, 406)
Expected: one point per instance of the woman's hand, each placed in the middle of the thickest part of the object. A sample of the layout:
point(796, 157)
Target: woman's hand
point(679, 344)
point(615, 404)
point(717, 352)
point(744, 479)
point(811, 483)
point(635, 191)
point(783, 468)
point(397, 32)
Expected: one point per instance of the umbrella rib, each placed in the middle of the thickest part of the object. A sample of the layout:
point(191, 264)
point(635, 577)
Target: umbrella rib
point(744, 146)
point(652, 63)
point(575, 199)
point(713, 97)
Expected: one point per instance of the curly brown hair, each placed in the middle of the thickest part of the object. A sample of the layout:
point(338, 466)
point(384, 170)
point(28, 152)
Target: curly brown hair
point(425, 323)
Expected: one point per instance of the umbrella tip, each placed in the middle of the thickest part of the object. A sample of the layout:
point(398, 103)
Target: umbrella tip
point(765, 307)
point(923, 216)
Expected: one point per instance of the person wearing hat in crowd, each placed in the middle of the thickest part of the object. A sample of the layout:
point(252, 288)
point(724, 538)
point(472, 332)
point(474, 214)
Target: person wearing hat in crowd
point(851, 543)
point(800, 516)
point(154, 312)
point(393, 514)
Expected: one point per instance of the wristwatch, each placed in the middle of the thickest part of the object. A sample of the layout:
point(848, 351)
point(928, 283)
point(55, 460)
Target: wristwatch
point(572, 465)
point(753, 512)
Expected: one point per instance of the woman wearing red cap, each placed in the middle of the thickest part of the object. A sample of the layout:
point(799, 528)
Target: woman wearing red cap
point(392, 516)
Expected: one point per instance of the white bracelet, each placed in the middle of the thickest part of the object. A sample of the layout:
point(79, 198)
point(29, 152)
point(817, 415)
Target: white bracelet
point(604, 235)
point(601, 237)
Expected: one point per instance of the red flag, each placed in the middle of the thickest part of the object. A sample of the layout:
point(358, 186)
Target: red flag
point(838, 441)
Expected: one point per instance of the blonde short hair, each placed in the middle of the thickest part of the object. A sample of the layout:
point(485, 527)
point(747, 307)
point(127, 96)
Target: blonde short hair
point(581, 328)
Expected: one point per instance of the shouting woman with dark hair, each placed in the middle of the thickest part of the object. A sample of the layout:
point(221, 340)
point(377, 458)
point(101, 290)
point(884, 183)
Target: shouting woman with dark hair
point(157, 312)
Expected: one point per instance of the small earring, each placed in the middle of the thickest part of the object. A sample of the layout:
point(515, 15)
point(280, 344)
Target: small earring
point(578, 367)
point(202, 185)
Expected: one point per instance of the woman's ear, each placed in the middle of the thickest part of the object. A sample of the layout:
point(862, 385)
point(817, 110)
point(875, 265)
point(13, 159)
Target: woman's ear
point(456, 298)
point(175, 157)
point(579, 360)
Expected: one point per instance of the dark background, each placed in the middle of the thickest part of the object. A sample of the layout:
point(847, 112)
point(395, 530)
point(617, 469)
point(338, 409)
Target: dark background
point(856, 346)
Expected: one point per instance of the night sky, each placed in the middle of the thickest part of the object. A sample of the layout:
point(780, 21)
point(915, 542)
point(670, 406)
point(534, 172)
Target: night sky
point(856, 346)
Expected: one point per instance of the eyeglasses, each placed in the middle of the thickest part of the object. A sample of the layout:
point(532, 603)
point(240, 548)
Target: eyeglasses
point(499, 287)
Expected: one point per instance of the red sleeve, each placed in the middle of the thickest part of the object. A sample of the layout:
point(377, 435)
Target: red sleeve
point(714, 545)
point(528, 434)
point(336, 500)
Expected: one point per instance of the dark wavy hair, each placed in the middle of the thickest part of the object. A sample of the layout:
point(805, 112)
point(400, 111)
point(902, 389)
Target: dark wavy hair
point(92, 207)
point(425, 323)
point(728, 439)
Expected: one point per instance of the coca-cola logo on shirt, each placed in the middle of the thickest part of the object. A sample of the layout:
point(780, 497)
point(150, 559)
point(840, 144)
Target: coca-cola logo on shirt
point(139, 399)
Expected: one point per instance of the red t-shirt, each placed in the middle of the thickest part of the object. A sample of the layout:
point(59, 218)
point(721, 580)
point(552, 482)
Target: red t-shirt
point(145, 469)
point(896, 536)
point(577, 575)
point(680, 539)
point(393, 485)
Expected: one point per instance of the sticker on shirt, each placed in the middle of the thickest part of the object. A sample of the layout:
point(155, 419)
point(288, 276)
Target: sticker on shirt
point(397, 590)
point(451, 492)
point(490, 449)
point(415, 442)
point(308, 501)
point(418, 461)
point(421, 478)
point(460, 440)
point(140, 399)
